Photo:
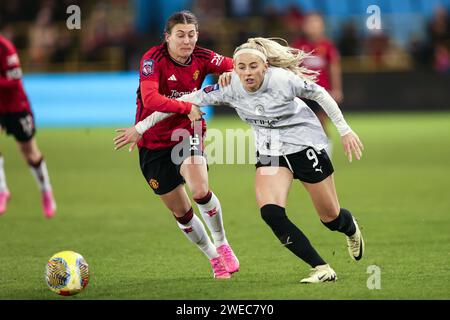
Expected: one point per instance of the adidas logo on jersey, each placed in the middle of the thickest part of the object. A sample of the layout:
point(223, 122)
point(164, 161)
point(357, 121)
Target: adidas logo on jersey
point(172, 78)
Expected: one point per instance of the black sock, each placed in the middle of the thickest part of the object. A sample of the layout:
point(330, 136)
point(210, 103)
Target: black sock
point(343, 223)
point(289, 235)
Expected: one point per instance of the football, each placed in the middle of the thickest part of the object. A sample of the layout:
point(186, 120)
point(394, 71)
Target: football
point(67, 273)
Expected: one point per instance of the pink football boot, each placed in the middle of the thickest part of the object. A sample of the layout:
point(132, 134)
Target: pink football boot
point(229, 258)
point(219, 269)
point(49, 204)
point(4, 197)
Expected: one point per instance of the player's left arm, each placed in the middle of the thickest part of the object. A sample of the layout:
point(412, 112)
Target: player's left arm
point(310, 90)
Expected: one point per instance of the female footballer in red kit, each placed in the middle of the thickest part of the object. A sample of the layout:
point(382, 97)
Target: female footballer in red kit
point(171, 153)
point(16, 118)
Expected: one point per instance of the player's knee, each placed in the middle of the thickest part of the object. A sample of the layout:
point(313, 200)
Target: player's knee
point(272, 214)
point(329, 213)
point(200, 191)
point(30, 153)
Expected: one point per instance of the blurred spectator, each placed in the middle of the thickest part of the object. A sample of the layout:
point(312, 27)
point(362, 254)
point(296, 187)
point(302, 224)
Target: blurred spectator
point(292, 20)
point(434, 51)
point(273, 22)
point(325, 59)
point(8, 31)
point(43, 35)
point(349, 41)
point(209, 15)
point(377, 45)
point(439, 31)
point(64, 48)
point(95, 33)
point(441, 58)
point(207, 10)
point(384, 52)
point(124, 36)
point(420, 52)
point(439, 27)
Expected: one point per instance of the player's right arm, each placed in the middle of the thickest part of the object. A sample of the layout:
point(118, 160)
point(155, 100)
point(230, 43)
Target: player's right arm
point(210, 95)
point(207, 96)
point(134, 134)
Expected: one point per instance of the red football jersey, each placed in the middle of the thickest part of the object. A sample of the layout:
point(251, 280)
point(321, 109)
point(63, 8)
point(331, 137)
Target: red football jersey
point(324, 54)
point(162, 80)
point(12, 93)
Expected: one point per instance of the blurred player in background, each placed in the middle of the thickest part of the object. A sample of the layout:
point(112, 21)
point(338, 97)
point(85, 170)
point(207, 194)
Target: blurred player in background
point(325, 58)
point(290, 143)
point(16, 118)
point(170, 70)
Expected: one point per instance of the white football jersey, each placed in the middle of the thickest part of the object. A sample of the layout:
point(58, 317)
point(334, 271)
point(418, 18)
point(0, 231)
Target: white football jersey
point(282, 123)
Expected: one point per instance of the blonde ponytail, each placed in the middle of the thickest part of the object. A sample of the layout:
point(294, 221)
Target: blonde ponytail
point(281, 56)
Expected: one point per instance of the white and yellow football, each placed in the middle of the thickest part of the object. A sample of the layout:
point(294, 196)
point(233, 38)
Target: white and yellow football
point(67, 273)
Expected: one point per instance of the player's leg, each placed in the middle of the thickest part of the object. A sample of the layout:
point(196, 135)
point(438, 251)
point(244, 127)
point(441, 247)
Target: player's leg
point(38, 167)
point(195, 173)
point(177, 201)
point(163, 177)
point(272, 185)
point(4, 191)
point(21, 126)
point(335, 218)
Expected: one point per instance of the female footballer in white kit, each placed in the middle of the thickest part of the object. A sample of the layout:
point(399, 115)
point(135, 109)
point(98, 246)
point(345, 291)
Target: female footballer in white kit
point(290, 142)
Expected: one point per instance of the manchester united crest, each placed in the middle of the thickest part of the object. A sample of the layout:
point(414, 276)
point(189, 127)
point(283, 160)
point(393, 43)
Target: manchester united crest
point(154, 184)
point(196, 74)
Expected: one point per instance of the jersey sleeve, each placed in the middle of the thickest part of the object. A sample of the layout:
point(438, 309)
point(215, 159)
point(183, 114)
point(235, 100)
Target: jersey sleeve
point(10, 64)
point(209, 95)
point(307, 89)
point(218, 64)
point(152, 99)
point(150, 121)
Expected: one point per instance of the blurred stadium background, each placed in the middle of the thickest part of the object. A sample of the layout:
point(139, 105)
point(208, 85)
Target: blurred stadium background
point(80, 80)
point(412, 49)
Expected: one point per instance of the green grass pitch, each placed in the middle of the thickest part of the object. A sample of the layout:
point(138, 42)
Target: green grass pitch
point(107, 212)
